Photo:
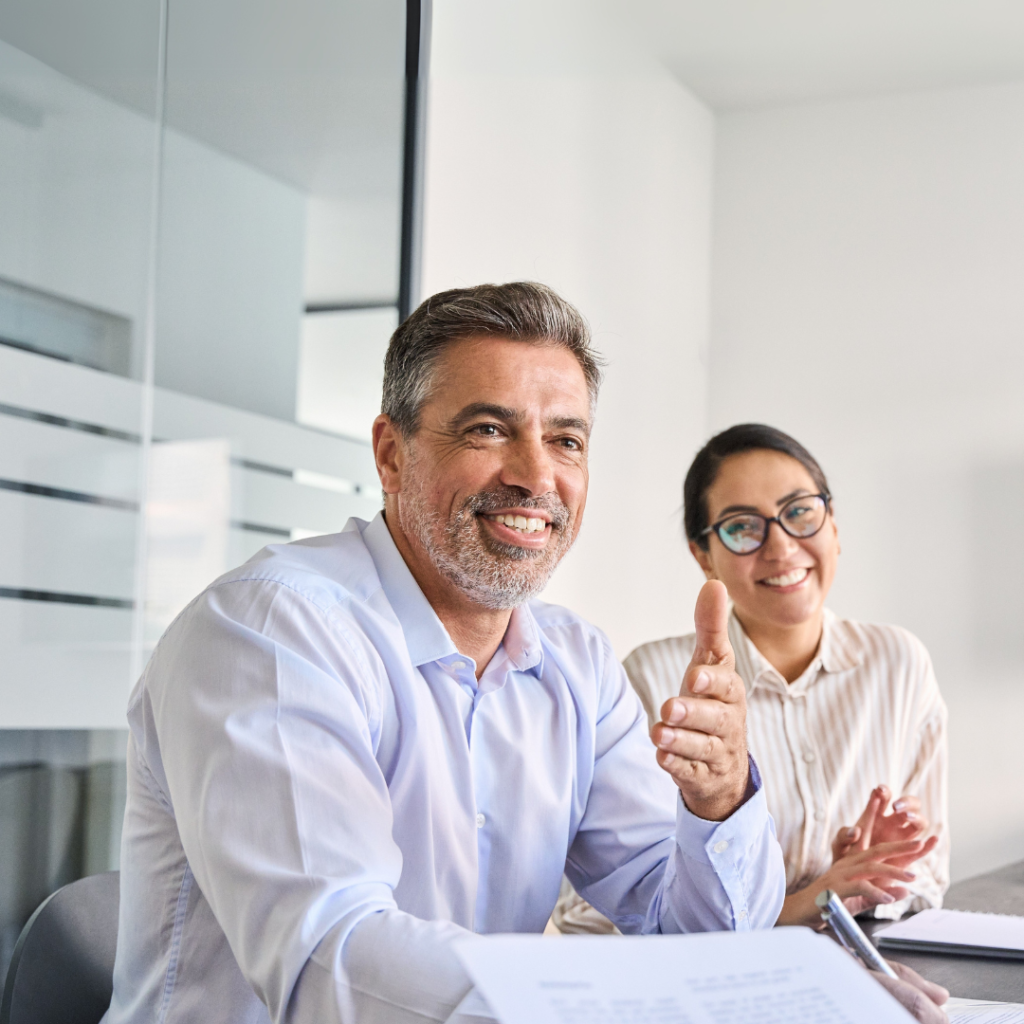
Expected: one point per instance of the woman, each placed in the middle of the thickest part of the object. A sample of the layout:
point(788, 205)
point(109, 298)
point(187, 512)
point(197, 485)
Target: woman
point(842, 716)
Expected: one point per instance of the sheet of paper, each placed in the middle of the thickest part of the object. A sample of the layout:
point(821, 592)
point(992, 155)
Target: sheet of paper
point(978, 1011)
point(960, 928)
point(780, 976)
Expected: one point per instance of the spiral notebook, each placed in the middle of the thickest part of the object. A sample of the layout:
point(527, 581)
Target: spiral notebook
point(960, 932)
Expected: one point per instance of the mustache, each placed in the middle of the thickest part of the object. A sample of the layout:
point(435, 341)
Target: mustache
point(484, 502)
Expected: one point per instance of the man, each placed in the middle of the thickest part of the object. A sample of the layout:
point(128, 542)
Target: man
point(354, 750)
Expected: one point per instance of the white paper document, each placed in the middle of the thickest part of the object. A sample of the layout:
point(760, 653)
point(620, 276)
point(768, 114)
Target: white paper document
point(978, 1011)
point(779, 976)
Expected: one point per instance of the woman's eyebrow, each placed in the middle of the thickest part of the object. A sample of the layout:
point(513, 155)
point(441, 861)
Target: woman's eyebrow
point(799, 492)
point(730, 509)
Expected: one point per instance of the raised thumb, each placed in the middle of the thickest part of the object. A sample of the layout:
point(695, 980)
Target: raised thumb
point(711, 619)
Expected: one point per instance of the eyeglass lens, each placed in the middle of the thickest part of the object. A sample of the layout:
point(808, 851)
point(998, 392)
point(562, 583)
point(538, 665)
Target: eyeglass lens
point(744, 533)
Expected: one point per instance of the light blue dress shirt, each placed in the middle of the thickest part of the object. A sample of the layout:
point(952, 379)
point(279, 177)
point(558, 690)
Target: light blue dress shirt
point(322, 798)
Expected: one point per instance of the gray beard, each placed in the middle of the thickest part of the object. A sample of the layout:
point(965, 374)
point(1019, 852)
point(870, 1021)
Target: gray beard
point(490, 573)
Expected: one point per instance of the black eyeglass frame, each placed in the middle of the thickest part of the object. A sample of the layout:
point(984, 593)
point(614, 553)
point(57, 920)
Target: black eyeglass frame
point(715, 527)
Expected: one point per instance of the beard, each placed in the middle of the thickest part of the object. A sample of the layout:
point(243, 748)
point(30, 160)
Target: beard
point(489, 572)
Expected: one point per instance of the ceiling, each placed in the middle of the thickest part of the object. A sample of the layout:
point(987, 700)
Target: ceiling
point(736, 54)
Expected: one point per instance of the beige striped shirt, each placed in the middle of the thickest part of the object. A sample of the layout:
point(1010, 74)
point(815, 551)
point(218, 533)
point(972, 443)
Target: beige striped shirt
point(867, 710)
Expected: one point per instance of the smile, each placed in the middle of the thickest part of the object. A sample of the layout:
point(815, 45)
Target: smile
point(787, 579)
point(520, 523)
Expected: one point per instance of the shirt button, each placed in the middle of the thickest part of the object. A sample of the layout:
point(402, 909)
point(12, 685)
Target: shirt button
point(721, 846)
point(458, 664)
point(741, 916)
point(480, 821)
point(809, 756)
point(819, 815)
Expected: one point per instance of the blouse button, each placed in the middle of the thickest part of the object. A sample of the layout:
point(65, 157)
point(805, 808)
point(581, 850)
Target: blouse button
point(480, 821)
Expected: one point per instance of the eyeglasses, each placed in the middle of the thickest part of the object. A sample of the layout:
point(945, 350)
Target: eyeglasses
point(744, 532)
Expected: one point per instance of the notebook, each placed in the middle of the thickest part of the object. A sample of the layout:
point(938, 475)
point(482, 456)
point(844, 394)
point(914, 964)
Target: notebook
point(961, 932)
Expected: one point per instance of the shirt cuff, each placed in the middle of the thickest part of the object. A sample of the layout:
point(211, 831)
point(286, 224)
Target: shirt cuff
point(725, 846)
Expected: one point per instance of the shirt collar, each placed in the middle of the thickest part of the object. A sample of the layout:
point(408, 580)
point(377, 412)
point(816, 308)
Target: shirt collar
point(754, 669)
point(425, 635)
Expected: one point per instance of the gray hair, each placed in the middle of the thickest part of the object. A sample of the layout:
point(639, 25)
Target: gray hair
point(522, 311)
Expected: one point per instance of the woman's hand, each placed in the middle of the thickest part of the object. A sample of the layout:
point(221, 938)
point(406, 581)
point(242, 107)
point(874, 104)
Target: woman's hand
point(861, 878)
point(875, 826)
point(875, 829)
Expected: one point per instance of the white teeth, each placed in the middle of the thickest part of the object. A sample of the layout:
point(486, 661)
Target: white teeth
point(787, 580)
point(520, 523)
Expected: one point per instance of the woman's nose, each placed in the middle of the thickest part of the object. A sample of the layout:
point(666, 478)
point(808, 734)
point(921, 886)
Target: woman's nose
point(777, 542)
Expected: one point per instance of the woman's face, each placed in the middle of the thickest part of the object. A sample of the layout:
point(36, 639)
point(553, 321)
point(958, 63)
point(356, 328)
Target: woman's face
point(785, 582)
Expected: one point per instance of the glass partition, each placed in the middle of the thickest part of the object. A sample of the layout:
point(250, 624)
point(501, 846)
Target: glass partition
point(201, 210)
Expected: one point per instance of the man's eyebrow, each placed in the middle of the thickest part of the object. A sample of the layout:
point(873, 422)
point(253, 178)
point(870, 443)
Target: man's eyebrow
point(569, 423)
point(474, 409)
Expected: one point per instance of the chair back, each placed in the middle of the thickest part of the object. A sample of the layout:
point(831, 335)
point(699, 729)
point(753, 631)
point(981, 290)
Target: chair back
point(62, 969)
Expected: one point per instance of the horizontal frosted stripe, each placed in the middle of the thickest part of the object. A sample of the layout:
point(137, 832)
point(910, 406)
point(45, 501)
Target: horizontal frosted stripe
point(283, 502)
point(64, 666)
point(45, 385)
point(66, 391)
point(53, 456)
point(63, 494)
point(52, 597)
point(263, 439)
point(66, 546)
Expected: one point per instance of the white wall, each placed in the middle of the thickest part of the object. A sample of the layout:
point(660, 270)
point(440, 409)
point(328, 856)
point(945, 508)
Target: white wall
point(868, 260)
point(557, 156)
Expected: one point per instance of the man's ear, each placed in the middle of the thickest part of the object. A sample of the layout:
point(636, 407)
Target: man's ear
point(703, 559)
point(388, 453)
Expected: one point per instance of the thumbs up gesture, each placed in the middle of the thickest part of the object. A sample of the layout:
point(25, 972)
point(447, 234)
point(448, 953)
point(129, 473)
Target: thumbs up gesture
point(702, 735)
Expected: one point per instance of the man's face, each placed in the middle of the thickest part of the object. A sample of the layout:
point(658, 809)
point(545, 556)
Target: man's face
point(494, 482)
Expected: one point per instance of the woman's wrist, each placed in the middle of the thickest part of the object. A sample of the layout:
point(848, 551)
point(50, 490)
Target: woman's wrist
point(799, 907)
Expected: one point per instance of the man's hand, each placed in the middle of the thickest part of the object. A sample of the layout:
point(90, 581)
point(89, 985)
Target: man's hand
point(702, 735)
point(923, 999)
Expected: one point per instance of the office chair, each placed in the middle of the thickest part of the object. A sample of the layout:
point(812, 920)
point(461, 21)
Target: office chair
point(62, 969)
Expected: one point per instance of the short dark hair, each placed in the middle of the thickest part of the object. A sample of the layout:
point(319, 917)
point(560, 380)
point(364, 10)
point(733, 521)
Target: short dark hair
point(744, 437)
point(522, 311)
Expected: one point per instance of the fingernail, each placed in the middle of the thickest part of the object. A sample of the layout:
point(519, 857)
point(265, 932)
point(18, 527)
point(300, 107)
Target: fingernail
point(909, 875)
point(888, 899)
point(700, 684)
point(667, 738)
point(678, 713)
point(850, 833)
point(911, 816)
point(899, 805)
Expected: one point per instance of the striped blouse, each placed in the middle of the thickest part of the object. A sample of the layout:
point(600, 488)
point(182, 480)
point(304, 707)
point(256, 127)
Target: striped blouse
point(866, 711)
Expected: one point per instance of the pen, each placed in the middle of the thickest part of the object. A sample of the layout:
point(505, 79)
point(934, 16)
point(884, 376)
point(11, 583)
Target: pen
point(833, 912)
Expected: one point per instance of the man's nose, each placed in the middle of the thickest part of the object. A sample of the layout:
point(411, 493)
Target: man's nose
point(528, 466)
